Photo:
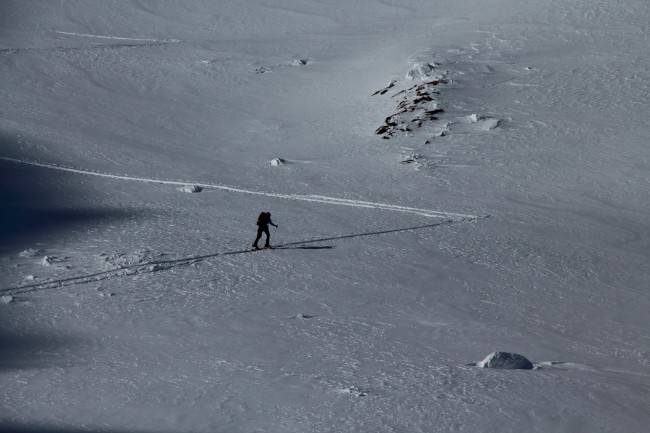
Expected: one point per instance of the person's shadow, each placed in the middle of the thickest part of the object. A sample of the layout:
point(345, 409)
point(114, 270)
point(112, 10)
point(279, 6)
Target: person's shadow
point(304, 247)
point(160, 265)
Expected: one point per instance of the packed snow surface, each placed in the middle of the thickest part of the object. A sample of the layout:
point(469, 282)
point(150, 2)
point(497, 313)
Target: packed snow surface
point(456, 176)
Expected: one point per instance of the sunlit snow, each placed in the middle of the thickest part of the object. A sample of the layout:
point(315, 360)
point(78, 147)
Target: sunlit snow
point(449, 179)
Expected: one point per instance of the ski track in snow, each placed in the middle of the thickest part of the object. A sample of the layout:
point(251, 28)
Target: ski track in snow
point(162, 265)
point(117, 38)
point(301, 197)
point(120, 42)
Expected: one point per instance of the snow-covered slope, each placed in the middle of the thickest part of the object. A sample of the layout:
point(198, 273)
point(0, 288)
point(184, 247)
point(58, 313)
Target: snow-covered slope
point(502, 208)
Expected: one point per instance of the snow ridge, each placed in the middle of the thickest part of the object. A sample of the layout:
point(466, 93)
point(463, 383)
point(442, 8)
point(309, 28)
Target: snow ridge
point(302, 197)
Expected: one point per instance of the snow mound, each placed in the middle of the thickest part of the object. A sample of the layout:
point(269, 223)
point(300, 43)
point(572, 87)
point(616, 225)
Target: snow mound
point(191, 189)
point(473, 123)
point(486, 123)
point(506, 360)
point(423, 71)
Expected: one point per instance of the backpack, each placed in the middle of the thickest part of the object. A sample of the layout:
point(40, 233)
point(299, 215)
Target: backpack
point(261, 219)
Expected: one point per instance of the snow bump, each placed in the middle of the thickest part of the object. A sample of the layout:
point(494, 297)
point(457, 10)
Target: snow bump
point(276, 162)
point(191, 189)
point(505, 361)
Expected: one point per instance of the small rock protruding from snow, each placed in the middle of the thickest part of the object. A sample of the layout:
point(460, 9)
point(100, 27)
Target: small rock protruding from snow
point(105, 294)
point(6, 299)
point(276, 162)
point(385, 89)
point(353, 390)
point(506, 360)
point(299, 62)
point(191, 189)
point(48, 260)
point(411, 158)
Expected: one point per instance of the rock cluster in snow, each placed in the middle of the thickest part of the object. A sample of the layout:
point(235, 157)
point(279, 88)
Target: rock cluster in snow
point(419, 110)
point(417, 106)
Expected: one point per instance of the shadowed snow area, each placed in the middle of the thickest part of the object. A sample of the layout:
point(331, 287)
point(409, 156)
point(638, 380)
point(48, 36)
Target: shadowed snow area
point(38, 204)
point(448, 178)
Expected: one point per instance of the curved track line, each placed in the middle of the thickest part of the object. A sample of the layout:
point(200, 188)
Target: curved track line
point(301, 197)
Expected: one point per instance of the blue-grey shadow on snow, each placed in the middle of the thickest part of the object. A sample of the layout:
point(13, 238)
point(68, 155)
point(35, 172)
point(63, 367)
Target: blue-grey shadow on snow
point(31, 205)
point(301, 247)
point(21, 351)
point(161, 265)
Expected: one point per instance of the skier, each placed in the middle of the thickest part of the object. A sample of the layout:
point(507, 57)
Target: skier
point(263, 221)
